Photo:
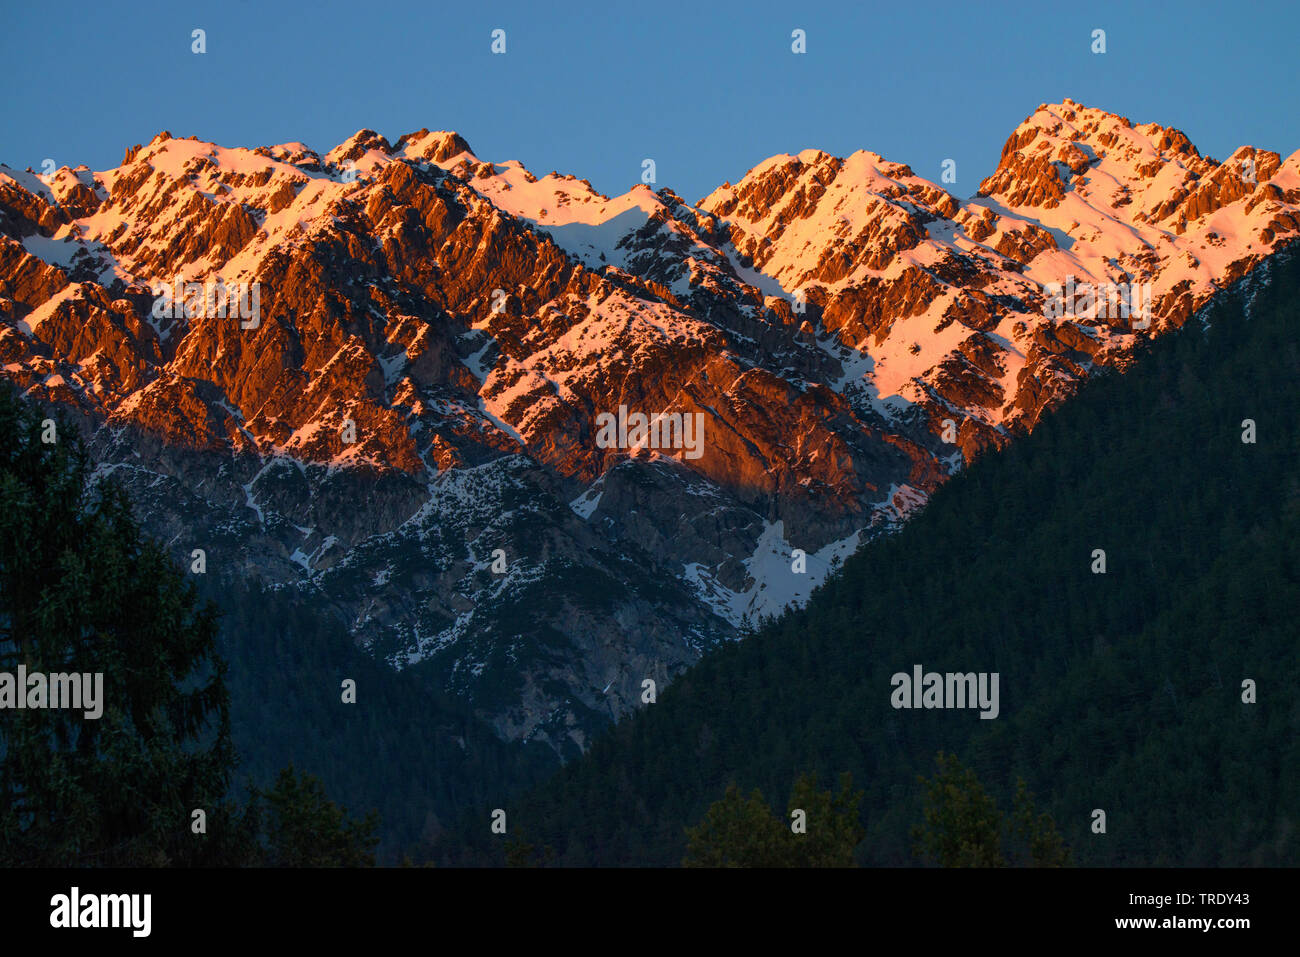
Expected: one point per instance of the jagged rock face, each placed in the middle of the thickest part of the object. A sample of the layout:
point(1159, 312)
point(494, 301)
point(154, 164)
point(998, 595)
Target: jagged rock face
point(405, 419)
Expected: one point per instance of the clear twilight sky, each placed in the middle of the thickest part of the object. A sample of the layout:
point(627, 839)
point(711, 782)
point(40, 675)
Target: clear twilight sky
point(707, 90)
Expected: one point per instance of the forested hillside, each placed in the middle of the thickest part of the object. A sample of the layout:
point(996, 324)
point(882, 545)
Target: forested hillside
point(1120, 691)
point(403, 749)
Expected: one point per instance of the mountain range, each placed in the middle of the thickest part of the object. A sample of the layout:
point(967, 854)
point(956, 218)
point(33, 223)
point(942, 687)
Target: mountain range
point(403, 435)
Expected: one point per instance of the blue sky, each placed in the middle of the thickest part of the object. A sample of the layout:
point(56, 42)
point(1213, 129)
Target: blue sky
point(707, 90)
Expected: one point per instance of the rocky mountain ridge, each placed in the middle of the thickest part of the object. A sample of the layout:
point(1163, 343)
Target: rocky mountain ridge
point(407, 429)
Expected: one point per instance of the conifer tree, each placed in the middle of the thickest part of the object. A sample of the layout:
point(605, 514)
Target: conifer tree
point(82, 591)
point(833, 825)
point(736, 831)
point(962, 827)
point(744, 832)
point(306, 829)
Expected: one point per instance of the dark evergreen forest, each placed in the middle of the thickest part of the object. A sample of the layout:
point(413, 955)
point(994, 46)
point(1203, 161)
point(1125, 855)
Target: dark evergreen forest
point(404, 749)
